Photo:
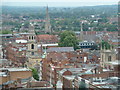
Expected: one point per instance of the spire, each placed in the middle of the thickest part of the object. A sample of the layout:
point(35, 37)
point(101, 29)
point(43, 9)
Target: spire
point(31, 29)
point(47, 23)
point(81, 26)
point(81, 32)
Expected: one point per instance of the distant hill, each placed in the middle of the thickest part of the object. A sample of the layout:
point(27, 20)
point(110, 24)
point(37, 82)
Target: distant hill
point(108, 10)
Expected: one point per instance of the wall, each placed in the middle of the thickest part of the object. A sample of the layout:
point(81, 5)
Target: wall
point(20, 74)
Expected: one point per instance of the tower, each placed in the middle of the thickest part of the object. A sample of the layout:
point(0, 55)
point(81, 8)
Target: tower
point(107, 55)
point(33, 55)
point(47, 22)
point(32, 44)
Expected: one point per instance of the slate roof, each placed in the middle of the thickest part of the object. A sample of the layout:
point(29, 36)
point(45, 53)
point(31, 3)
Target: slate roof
point(90, 37)
point(80, 71)
point(60, 49)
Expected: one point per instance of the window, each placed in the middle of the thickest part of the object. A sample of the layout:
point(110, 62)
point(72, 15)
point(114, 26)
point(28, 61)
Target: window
point(109, 58)
point(32, 53)
point(32, 37)
point(32, 46)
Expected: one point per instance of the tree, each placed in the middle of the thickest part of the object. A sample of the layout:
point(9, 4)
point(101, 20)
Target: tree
point(105, 44)
point(68, 39)
point(35, 74)
point(5, 32)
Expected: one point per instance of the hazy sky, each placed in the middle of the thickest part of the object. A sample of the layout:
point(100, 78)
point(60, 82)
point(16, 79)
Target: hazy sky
point(58, 3)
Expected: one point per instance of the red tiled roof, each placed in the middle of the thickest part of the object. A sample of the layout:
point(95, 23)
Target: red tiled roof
point(47, 38)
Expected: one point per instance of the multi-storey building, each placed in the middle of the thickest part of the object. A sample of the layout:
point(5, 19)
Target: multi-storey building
point(9, 76)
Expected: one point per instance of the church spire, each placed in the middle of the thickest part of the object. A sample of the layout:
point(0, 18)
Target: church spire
point(81, 32)
point(31, 29)
point(47, 23)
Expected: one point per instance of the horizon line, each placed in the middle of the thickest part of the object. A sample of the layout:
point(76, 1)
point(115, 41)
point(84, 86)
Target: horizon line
point(56, 4)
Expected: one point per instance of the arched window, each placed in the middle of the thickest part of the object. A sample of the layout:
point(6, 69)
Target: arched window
point(32, 46)
point(32, 37)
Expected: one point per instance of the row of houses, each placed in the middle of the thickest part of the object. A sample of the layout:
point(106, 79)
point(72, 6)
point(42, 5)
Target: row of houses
point(64, 69)
point(62, 66)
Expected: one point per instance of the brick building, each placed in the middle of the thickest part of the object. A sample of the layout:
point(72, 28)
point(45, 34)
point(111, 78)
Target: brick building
point(10, 75)
point(16, 52)
point(94, 78)
point(58, 58)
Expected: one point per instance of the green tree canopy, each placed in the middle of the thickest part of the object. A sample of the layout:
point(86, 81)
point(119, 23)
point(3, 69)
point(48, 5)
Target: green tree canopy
point(5, 32)
point(68, 39)
point(35, 74)
point(105, 45)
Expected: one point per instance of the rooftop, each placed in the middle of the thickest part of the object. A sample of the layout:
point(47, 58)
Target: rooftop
point(106, 82)
point(21, 41)
point(60, 49)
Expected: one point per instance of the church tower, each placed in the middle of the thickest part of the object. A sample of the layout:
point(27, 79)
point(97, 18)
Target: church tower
point(107, 55)
point(47, 22)
point(32, 44)
point(33, 54)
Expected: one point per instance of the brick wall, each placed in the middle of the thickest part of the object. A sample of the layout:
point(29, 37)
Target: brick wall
point(20, 74)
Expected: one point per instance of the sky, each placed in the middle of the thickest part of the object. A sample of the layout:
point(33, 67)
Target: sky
point(58, 3)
